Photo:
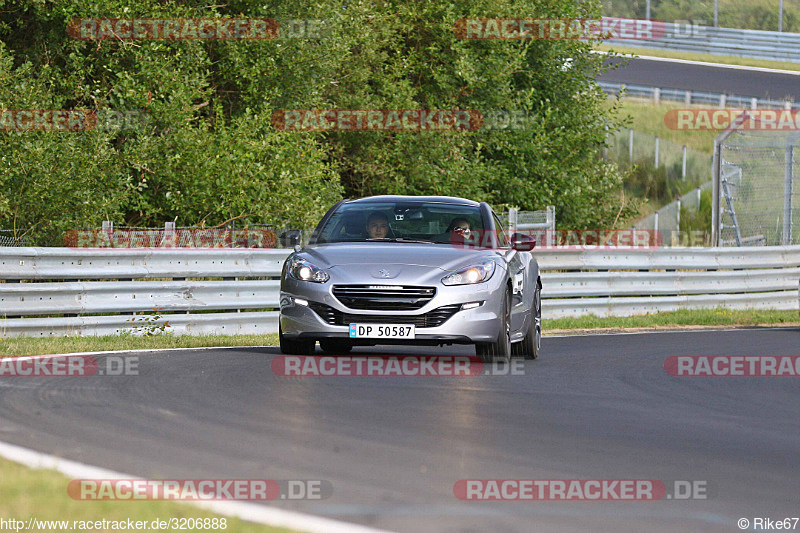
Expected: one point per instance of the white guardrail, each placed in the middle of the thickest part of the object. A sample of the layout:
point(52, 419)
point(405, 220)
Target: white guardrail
point(755, 44)
point(63, 291)
point(689, 97)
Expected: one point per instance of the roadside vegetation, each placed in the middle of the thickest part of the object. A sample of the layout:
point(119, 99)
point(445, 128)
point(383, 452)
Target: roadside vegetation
point(206, 150)
point(676, 319)
point(647, 117)
point(53, 345)
point(719, 317)
point(651, 188)
point(18, 483)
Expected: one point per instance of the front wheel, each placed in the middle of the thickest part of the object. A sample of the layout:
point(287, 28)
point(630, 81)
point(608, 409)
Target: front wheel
point(531, 344)
point(490, 351)
point(336, 346)
point(292, 347)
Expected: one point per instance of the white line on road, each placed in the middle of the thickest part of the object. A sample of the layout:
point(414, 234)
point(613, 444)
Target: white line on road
point(705, 63)
point(260, 514)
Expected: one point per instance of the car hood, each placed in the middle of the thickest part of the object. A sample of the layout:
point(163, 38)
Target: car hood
point(375, 255)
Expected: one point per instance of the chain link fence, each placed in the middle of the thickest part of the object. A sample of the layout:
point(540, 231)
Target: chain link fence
point(675, 161)
point(671, 220)
point(672, 177)
point(10, 237)
point(755, 198)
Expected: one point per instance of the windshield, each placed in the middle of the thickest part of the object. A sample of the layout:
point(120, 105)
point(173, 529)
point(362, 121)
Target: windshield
point(400, 222)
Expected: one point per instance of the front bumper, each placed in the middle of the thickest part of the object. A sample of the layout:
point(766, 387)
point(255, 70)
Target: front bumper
point(479, 324)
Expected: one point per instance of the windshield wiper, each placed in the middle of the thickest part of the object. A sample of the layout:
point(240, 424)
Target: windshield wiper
point(404, 239)
point(398, 239)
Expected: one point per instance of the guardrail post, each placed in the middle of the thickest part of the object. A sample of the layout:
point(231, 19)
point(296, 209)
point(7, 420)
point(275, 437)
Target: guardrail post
point(169, 235)
point(630, 145)
point(787, 194)
point(108, 231)
point(754, 103)
point(512, 219)
point(683, 163)
point(716, 13)
point(722, 100)
point(715, 214)
point(551, 224)
point(688, 99)
point(656, 154)
point(657, 95)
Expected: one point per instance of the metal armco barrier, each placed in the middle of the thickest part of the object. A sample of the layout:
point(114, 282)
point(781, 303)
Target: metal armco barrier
point(688, 97)
point(755, 44)
point(62, 291)
point(209, 291)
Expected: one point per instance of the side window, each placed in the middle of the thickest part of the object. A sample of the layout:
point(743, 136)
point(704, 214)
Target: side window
point(502, 238)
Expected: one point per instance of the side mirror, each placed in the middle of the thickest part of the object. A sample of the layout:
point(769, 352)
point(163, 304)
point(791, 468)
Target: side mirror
point(522, 242)
point(290, 238)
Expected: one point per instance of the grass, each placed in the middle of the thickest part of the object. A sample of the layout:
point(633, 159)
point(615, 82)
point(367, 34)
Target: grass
point(49, 345)
point(648, 117)
point(663, 185)
point(676, 319)
point(710, 58)
point(42, 494)
point(682, 318)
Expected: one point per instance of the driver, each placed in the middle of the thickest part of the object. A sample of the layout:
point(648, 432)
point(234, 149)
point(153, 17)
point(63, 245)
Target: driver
point(460, 226)
point(377, 225)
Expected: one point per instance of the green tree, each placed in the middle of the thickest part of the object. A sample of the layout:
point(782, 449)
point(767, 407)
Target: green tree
point(208, 153)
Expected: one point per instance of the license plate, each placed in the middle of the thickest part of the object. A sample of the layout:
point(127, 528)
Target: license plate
point(382, 331)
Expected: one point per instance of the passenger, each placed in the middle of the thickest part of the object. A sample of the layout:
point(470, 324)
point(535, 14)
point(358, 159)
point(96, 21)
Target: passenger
point(377, 225)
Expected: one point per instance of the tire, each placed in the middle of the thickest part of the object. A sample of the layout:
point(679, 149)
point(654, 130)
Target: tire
point(516, 349)
point(532, 343)
point(501, 348)
point(290, 347)
point(335, 346)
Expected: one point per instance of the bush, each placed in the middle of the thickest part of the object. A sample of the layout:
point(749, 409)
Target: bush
point(208, 152)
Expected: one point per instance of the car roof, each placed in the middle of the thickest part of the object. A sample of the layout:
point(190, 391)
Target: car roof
point(400, 198)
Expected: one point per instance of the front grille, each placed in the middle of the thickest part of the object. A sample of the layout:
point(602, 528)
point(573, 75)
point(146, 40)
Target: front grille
point(431, 319)
point(383, 297)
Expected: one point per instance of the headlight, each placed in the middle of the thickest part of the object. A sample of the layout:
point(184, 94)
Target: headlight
point(302, 270)
point(471, 274)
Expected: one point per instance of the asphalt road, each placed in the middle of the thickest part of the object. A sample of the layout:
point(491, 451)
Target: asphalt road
point(590, 407)
point(703, 78)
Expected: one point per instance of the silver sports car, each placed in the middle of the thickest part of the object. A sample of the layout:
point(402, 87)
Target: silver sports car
point(428, 270)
